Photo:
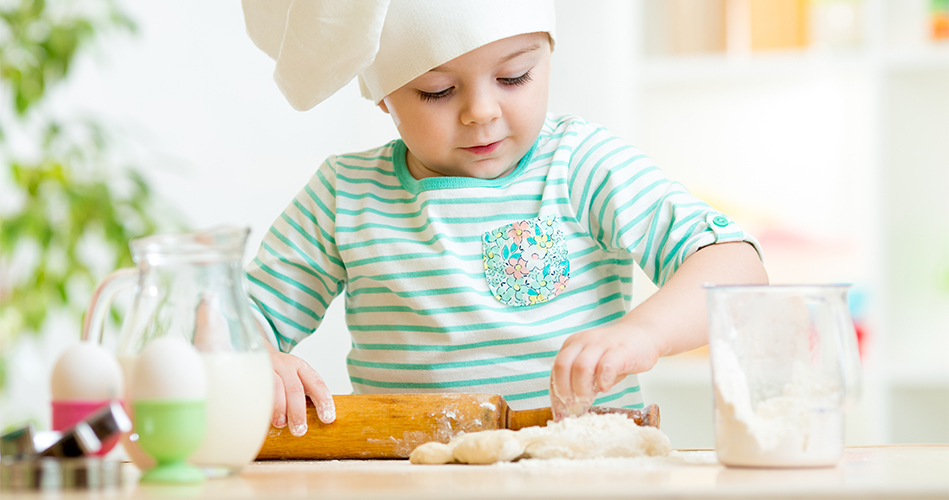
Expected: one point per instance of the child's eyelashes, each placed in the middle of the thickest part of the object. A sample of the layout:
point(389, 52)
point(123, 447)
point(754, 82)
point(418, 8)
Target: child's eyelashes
point(517, 80)
point(441, 94)
point(434, 96)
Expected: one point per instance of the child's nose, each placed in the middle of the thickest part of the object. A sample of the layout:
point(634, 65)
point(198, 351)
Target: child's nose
point(481, 107)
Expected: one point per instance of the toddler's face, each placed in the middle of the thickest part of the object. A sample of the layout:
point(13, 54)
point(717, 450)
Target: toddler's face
point(478, 114)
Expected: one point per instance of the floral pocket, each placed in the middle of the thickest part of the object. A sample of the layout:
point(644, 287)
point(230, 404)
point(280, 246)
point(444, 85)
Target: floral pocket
point(526, 262)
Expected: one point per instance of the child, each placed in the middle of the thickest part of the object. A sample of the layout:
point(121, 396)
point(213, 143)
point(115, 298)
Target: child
point(490, 249)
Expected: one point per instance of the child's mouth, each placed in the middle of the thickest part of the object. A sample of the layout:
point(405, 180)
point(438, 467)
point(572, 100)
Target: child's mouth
point(483, 149)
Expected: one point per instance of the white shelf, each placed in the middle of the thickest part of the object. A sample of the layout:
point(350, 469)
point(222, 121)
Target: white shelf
point(929, 57)
point(696, 69)
point(699, 69)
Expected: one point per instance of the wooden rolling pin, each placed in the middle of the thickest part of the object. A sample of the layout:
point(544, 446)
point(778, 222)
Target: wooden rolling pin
point(373, 426)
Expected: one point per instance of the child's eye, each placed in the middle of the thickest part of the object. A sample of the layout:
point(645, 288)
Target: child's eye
point(517, 80)
point(434, 96)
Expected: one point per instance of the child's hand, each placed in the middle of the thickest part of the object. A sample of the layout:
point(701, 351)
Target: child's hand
point(593, 361)
point(294, 380)
point(671, 321)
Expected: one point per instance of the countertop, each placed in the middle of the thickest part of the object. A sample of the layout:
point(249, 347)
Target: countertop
point(873, 472)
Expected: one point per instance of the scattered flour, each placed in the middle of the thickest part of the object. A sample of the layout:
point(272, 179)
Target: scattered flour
point(801, 427)
point(675, 457)
point(587, 437)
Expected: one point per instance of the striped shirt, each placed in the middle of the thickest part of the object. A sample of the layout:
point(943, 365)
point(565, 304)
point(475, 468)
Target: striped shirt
point(413, 257)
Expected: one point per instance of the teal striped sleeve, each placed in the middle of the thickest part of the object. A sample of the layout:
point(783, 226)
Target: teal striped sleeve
point(297, 270)
point(627, 204)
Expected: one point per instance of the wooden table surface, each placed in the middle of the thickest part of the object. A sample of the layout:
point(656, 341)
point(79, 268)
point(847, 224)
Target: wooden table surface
point(876, 472)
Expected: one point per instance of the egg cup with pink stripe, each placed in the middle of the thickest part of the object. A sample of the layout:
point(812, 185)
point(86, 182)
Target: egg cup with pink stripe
point(86, 377)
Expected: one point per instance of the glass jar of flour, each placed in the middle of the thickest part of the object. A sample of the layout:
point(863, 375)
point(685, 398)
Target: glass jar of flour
point(785, 366)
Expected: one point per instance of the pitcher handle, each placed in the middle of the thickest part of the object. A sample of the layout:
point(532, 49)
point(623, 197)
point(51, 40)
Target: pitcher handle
point(101, 301)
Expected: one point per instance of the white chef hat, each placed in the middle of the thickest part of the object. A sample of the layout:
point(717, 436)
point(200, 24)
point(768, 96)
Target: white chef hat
point(320, 45)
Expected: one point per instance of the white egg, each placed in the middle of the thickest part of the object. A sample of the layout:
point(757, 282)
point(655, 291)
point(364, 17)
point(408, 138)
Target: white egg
point(169, 368)
point(86, 372)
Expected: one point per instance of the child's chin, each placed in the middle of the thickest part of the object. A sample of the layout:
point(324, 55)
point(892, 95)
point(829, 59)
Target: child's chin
point(489, 171)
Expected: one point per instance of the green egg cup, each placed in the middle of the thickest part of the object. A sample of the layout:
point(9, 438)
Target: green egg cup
point(169, 432)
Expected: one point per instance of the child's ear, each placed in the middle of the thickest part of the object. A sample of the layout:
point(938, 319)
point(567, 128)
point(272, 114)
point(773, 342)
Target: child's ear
point(386, 108)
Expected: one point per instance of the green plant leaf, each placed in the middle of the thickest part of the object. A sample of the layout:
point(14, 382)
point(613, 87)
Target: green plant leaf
point(75, 188)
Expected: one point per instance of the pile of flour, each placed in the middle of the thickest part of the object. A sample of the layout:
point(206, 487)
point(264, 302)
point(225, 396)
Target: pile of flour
point(587, 436)
point(803, 426)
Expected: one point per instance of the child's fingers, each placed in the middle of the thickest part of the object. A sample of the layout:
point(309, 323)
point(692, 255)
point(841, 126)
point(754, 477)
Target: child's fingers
point(610, 370)
point(279, 418)
point(561, 386)
point(582, 377)
point(296, 403)
point(566, 382)
point(314, 387)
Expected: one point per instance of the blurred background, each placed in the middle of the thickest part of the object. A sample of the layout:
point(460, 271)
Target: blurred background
point(821, 126)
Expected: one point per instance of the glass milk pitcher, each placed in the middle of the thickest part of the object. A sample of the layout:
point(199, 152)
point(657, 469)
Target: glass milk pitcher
point(785, 366)
point(190, 285)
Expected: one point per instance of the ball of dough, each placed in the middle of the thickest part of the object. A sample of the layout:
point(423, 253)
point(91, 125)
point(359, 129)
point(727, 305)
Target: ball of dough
point(431, 453)
point(594, 436)
point(487, 447)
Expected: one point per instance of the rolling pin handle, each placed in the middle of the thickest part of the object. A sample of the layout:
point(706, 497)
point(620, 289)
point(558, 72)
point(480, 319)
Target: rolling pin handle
point(650, 416)
point(646, 417)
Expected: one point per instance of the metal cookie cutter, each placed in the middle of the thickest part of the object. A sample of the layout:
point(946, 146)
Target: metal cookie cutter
point(86, 437)
point(32, 460)
point(50, 474)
